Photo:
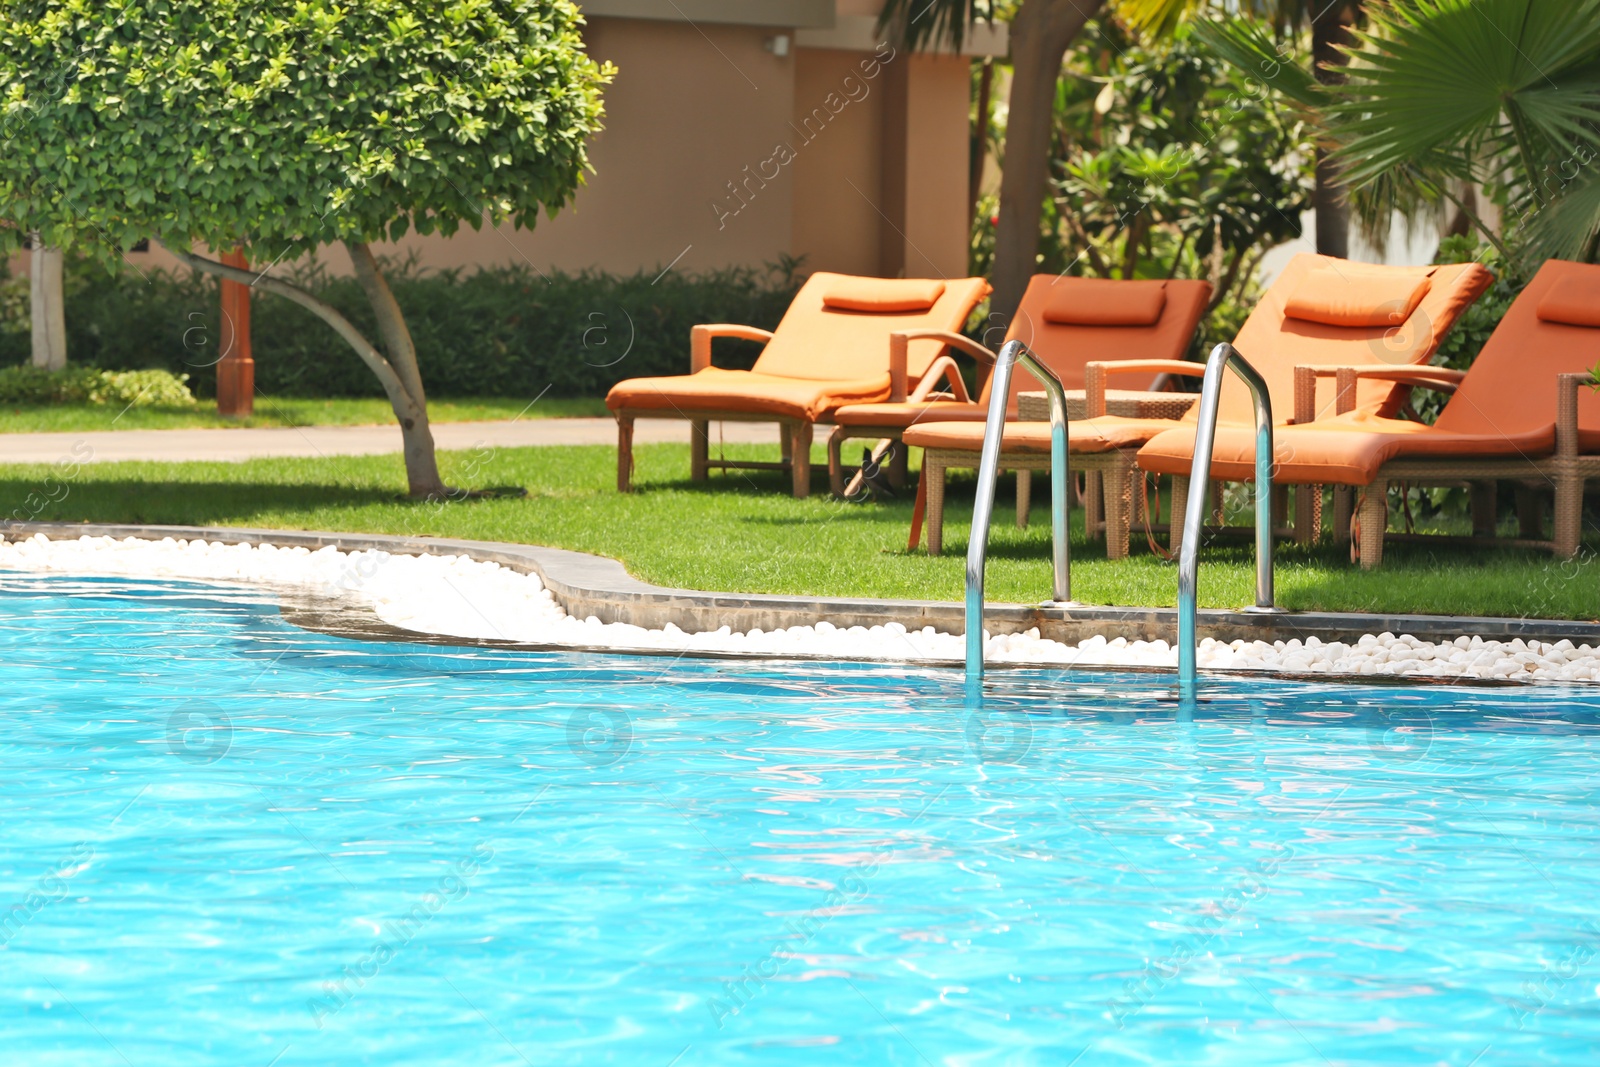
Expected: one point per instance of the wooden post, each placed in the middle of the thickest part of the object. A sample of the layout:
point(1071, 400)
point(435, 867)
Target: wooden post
point(236, 370)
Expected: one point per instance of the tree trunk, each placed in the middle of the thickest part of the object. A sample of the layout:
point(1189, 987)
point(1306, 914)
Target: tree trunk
point(1040, 34)
point(1330, 24)
point(47, 308)
point(422, 471)
point(980, 144)
point(408, 401)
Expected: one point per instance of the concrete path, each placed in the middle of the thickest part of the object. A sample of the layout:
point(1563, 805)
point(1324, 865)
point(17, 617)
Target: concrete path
point(107, 446)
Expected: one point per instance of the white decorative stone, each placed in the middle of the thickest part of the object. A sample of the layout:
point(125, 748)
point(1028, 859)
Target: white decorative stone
point(462, 597)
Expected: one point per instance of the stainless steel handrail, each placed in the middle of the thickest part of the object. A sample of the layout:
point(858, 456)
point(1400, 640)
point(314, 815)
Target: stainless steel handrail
point(1224, 355)
point(1013, 353)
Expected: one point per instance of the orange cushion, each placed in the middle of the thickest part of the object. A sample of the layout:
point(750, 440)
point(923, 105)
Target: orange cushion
point(716, 391)
point(882, 294)
point(1573, 301)
point(1512, 386)
point(1345, 450)
point(820, 343)
point(1275, 344)
point(1108, 433)
point(1106, 302)
point(909, 413)
point(1349, 296)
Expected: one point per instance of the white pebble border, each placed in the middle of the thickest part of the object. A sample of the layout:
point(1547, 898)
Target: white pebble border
point(462, 597)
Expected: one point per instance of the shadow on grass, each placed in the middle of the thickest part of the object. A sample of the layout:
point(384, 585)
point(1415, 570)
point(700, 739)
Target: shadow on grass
point(175, 503)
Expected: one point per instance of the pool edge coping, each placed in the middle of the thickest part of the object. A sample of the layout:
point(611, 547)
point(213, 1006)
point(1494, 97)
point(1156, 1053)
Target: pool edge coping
point(590, 585)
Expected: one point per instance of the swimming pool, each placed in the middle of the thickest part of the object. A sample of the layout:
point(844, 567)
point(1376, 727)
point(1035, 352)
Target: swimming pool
point(230, 841)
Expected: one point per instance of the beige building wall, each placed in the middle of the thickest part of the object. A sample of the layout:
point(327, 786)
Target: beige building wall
point(838, 174)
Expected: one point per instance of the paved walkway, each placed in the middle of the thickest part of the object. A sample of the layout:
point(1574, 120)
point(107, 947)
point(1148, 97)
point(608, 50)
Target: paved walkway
point(106, 446)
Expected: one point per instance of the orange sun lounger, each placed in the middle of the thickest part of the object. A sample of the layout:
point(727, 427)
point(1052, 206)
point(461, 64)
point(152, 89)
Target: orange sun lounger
point(831, 349)
point(1067, 322)
point(1516, 414)
point(1320, 310)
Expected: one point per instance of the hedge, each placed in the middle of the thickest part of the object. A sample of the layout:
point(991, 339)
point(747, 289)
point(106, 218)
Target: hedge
point(505, 331)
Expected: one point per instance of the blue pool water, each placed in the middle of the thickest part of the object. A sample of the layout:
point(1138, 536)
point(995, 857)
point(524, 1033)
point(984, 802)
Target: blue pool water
point(228, 841)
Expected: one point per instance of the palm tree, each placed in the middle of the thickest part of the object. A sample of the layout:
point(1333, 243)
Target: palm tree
point(1041, 32)
point(1443, 92)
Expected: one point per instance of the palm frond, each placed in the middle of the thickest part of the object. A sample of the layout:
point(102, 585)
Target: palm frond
point(922, 24)
point(1566, 227)
point(1433, 82)
point(1155, 18)
point(1249, 46)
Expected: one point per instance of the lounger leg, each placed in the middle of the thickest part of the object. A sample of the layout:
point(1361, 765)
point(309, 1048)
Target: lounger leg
point(1374, 523)
point(933, 474)
point(1024, 495)
point(836, 442)
point(1569, 513)
point(1308, 514)
point(1530, 513)
point(1118, 505)
point(800, 459)
point(624, 454)
point(1280, 504)
point(1218, 516)
point(897, 464)
point(1484, 519)
point(918, 511)
point(1093, 503)
point(1343, 507)
point(1178, 506)
point(699, 449)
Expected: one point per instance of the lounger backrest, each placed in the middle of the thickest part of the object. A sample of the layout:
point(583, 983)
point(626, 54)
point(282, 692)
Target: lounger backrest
point(1069, 322)
point(1275, 341)
point(1553, 327)
point(838, 326)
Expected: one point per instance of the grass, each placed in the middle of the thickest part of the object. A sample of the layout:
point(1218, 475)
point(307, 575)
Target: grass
point(281, 411)
point(742, 532)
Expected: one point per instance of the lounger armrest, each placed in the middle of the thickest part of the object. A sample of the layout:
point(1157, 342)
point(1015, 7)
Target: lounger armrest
point(900, 344)
point(944, 368)
point(700, 340)
point(1096, 372)
point(1567, 413)
point(1345, 377)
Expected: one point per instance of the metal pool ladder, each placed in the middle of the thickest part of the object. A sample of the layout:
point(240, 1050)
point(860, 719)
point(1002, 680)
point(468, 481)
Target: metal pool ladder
point(1222, 356)
point(1013, 353)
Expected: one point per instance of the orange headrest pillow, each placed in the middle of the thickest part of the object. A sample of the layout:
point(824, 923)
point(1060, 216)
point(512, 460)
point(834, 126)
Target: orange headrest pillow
point(1356, 297)
point(882, 294)
point(1105, 302)
point(1574, 301)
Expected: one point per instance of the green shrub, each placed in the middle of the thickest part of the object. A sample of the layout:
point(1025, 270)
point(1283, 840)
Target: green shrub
point(28, 384)
point(503, 331)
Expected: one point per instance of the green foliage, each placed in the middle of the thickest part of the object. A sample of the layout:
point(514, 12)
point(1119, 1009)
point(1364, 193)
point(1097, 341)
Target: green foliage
point(287, 126)
point(498, 332)
point(1442, 93)
point(88, 385)
point(1168, 163)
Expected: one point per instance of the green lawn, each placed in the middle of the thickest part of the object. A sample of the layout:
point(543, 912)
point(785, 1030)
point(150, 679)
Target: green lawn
point(741, 532)
point(281, 411)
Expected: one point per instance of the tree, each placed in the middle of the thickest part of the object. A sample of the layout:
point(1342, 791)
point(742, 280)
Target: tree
point(1041, 31)
point(1331, 22)
point(1445, 92)
point(286, 127)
